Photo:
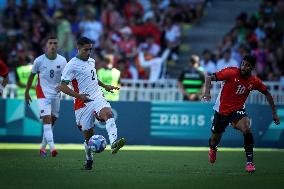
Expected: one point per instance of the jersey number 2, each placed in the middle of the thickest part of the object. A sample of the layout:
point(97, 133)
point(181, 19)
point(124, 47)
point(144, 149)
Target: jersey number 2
point(93, 74)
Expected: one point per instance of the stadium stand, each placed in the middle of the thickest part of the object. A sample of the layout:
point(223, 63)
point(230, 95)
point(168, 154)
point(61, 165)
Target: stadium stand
point(116, 27)
point(124, 28)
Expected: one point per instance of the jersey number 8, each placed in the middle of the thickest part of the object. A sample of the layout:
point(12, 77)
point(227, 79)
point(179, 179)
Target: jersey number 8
point(51, 73)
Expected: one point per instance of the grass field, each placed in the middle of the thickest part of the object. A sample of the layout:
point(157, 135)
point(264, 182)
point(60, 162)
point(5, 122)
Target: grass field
point(138, 167)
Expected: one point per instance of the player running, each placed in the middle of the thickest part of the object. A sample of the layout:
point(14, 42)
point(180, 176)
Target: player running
point(230, 105)
point(89, 99)
point(49, 67)
point(3, 73)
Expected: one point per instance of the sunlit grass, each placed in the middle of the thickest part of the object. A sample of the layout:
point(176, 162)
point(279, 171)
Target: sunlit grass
point(23, 146)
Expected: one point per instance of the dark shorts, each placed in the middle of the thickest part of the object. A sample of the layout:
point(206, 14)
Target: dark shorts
point(220, 122)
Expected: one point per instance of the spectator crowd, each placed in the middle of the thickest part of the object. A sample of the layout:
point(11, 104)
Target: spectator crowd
point(260, 34)
point(137, 37)
point(120, 30)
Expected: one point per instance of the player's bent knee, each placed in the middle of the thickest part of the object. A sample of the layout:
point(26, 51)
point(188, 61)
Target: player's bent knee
point(102, 117)
point(47, 119)
point(109, 114)
point(106, 113)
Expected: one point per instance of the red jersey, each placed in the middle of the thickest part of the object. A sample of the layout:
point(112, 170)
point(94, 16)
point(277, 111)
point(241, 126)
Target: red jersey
point(3, 69)
point(235, 90)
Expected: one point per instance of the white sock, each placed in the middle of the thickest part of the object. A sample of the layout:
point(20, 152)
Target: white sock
point(88, 151)
point(111, 130)
point(48, 134)
point(43, 143)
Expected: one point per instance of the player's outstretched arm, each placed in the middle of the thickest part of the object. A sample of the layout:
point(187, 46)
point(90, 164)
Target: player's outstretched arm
point(65, 89)
point(273, 108)
point(108, 88)
point(28, 87)
point(206, 94)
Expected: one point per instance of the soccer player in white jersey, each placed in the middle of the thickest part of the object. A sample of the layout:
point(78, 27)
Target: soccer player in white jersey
point(89, 100)
point(49, 67)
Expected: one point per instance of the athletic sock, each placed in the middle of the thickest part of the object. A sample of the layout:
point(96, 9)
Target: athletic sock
point(111, 130)
point(248, 146)
point(214, 147)
point(43, 143)
point(88, 151)
point(48, 134)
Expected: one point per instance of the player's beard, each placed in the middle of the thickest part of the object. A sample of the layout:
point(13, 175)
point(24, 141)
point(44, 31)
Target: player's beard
point(245, 74)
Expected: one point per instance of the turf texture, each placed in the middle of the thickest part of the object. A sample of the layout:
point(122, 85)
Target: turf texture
point(144, 167)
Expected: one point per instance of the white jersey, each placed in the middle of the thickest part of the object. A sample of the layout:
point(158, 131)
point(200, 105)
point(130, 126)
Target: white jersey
point(84, 80)
point(155, 64)
point(49, 73)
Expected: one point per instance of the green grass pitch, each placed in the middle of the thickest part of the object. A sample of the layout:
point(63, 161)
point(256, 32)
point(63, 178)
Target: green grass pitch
point(138, 167)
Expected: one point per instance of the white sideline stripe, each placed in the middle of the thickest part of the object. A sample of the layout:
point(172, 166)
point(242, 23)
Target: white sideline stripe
point(26, 146)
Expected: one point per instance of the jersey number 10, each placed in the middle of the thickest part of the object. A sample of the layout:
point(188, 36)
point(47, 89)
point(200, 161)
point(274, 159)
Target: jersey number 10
point(241, 89)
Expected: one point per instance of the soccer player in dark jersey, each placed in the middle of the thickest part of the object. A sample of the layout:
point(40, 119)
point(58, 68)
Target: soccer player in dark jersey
point(3, 73)
point(229, 108)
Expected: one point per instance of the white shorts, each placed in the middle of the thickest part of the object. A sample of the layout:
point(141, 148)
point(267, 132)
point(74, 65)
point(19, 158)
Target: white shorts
point(85, 117)
point(48, 106)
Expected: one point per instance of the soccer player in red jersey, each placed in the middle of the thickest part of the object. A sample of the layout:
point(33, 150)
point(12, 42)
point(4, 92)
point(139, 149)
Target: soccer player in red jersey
point(229, 108)
point(3, 73)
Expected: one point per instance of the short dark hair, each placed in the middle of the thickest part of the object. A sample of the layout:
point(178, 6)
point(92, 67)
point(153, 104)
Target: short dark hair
point(48, 38)
point(83, 41)
point(251, 59)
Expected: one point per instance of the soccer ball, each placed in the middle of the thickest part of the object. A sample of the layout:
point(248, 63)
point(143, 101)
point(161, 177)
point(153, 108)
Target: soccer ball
point(97, 143)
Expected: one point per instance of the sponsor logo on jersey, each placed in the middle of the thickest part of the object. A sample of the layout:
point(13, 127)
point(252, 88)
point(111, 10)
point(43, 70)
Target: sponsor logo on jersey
point(241, 112)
